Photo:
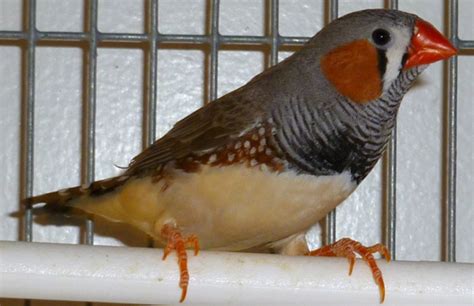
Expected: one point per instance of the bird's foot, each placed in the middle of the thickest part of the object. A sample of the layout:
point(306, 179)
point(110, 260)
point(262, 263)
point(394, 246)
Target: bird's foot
point(348, 248)
point(175, 241)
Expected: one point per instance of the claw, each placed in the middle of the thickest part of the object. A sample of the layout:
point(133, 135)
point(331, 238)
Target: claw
point(177, 243)
point(346, 247)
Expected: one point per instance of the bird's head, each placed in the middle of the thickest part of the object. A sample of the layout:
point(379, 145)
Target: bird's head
point(363, 53)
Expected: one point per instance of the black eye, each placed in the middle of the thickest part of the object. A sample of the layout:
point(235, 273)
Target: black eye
point(381, 37)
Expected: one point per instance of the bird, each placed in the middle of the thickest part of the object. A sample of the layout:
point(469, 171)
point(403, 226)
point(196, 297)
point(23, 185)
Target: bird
point(257, 167)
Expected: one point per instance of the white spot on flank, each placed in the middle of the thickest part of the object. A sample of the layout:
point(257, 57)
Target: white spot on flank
point(261, 131)
point(247, 144)
point(255, 137)
point(263, 141)
point(264, 168)
point(261, 148)
point(212, 158)
point(253, 150)
point(238, 145)
point(231, 157)
point(253, 163)
point(268, 151)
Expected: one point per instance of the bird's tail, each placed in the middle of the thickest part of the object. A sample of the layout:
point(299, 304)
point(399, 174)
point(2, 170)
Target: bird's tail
point(64, 196)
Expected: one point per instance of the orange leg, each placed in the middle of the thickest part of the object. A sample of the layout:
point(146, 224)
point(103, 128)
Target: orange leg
point(346, 247)
point(178, 243)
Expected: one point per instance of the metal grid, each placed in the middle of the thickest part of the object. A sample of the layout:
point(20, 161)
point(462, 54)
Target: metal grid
point(213, 40)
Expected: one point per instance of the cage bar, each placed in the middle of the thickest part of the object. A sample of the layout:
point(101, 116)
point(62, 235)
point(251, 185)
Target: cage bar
point(214, 55)
point(465, 45)
point(89, 112)
point(27, 125)
point(330, 220)
point(73, 37)
point(390, 164)
point(274, 33)
point(151, 66)
point(451, 80)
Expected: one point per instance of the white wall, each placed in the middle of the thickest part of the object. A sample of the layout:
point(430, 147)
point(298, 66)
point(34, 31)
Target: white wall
point(180, 91)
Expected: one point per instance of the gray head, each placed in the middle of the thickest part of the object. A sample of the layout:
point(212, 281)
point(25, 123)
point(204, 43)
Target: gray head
point(386, 34)
point(356, 71)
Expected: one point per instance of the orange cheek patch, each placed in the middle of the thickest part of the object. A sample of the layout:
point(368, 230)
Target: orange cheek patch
point(353, 70)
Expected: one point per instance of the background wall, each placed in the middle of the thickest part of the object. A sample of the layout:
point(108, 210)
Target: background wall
point(120, 94)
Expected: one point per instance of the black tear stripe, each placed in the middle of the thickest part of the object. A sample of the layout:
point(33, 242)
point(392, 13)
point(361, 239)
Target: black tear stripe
point(404, 60)
point(382, 62)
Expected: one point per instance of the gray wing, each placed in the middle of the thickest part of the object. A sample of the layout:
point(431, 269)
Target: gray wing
point(211, 126)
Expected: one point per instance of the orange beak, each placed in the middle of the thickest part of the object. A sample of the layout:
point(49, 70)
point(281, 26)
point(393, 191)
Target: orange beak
point(427, 46)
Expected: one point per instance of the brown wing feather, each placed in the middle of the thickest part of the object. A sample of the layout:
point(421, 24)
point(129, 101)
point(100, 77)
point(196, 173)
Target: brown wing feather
point(209, 127)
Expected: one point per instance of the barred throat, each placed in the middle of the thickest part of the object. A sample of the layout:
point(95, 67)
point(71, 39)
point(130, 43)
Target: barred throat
point(344, 136)
point(378, 119)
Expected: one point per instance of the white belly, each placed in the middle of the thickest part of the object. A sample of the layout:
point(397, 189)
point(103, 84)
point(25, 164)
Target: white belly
point(229, 208)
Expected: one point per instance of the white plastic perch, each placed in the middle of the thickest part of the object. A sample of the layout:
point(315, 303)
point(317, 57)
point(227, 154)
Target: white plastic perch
point(138, 275)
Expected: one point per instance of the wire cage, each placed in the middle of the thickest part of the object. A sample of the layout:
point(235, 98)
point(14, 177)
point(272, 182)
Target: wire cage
point(151, 115)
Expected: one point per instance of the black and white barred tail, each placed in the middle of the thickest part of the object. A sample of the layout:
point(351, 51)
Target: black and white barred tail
point(64, 196)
